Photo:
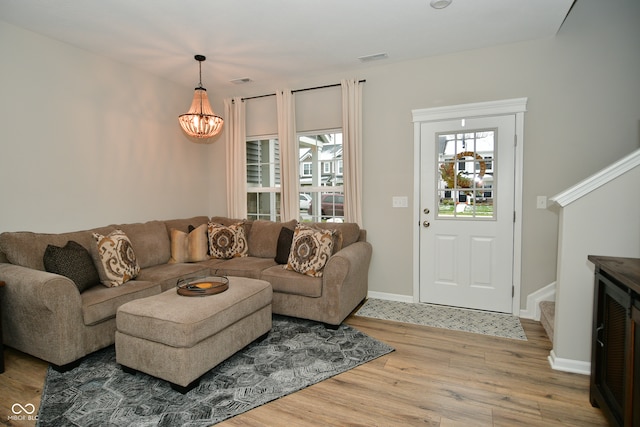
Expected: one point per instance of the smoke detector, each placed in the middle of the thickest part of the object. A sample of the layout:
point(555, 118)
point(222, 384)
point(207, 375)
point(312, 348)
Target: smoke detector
point(440, 4)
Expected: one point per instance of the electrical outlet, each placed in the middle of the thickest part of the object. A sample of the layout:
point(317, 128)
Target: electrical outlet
point(541, 202)
point(400, 202)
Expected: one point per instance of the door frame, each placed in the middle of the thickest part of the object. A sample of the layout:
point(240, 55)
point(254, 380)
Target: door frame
point(516, 107)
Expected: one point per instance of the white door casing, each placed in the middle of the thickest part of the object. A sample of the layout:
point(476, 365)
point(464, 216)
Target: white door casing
point(467, 256)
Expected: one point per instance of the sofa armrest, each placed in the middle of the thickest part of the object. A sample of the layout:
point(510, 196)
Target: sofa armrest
point(346, 279)
point(41, 313)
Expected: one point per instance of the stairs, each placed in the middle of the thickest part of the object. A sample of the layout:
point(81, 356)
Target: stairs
point(547, 317)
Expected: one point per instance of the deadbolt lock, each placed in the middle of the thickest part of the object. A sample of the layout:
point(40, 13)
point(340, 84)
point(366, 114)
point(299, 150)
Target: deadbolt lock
point(426, 211)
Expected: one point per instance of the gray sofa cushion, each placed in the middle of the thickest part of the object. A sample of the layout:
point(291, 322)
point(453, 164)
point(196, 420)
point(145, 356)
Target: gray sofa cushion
point(27, 249)
point(100, 303)
point(244, 267)
point(183, 224)
point(167, 275)
point(263, 239)
point(350, 230)
point(290, 282)
point(150, 242)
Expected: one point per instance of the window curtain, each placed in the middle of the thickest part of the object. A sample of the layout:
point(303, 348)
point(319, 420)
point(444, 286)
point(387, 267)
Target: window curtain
point(235, 121)
point(352, 149)
point(289, 158)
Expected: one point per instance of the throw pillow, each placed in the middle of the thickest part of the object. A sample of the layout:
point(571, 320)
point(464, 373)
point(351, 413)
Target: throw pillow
point(118, 263)
point(285, 239)
point(189, 247)
point(72, 261)
point(310, 250)
point(227, 242)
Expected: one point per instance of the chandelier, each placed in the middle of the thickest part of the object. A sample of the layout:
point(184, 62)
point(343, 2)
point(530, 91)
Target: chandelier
point(201, 122)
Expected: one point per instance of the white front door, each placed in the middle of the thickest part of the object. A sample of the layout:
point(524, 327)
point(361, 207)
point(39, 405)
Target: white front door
point(467, 212)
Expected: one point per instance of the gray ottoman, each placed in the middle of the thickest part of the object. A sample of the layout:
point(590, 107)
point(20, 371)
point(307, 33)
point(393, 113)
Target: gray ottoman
point(180, 338)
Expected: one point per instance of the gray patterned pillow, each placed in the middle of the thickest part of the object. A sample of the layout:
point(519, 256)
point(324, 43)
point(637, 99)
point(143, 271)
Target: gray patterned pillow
point(118, 262)
point(227, 242)
point(72, 261)
point(310, 250)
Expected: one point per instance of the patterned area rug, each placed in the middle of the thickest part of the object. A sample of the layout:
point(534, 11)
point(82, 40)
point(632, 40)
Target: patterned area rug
point(296, 354)
point(439, 316)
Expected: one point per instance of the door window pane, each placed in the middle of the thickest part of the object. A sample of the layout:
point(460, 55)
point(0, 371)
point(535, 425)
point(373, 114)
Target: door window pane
point(465, 164)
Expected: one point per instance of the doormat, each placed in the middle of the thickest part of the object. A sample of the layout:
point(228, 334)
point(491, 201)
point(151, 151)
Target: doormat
point(296, 354)
point(440, 316)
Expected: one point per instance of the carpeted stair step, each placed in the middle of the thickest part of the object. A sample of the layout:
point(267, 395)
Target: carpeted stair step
point(547, 317)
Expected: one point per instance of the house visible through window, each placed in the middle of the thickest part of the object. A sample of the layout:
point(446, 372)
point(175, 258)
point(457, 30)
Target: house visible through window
point(320, 177)
point(323, 180)
point(263, 179)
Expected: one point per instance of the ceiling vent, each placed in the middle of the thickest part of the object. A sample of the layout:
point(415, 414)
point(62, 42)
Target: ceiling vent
point(374, 57)
point(241, 81)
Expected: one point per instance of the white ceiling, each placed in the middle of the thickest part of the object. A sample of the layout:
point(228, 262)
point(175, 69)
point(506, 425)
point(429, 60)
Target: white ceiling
point(279, 40)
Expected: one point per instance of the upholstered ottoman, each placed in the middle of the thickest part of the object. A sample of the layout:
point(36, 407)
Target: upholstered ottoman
point(179, 338)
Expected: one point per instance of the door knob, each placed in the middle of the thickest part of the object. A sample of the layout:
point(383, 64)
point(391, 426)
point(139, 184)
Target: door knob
point(426, 224)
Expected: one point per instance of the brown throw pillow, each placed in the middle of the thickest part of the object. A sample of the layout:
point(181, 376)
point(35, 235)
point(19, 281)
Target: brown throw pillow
point(72, 261)
point(285, 239)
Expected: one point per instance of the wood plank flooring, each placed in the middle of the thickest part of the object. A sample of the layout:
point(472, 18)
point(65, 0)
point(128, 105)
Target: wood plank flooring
point(436, 377)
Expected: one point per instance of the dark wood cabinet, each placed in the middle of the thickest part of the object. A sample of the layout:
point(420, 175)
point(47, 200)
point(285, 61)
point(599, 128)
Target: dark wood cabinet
point(615, 356)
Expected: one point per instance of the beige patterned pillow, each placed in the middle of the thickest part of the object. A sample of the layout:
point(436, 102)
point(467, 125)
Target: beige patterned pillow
point(227, 242)
point(310, 250)
point(118, 263)
point(189, 247)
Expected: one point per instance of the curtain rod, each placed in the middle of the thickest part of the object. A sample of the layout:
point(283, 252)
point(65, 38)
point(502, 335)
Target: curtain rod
point(297, 90)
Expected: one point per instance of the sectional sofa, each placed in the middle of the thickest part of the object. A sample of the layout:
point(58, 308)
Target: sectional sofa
point(50, 316)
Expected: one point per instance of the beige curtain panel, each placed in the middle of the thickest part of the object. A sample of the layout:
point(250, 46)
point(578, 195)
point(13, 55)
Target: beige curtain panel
point(234, 109)
point(352, 149)
point(289, 157)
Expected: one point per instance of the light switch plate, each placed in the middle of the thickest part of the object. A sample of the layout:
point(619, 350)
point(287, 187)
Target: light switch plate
point(400, 201)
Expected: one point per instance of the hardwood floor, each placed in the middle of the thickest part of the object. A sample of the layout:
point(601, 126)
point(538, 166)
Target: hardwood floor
point(436, 377)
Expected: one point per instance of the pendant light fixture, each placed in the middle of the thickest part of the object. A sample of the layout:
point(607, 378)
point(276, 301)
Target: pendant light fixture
point(201, 122)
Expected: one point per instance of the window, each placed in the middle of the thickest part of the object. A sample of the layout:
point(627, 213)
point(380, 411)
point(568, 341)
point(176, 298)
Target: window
point(324, 182)
point(263, 179)
point(465, 169)
point(320, 177)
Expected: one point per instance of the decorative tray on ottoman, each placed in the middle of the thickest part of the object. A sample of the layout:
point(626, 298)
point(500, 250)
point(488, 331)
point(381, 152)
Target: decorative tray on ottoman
point(202, 286)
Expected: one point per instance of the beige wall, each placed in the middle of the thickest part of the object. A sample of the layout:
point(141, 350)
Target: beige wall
point(85, 141)
point(584, 110)
point(583, 90)
point(584, 231)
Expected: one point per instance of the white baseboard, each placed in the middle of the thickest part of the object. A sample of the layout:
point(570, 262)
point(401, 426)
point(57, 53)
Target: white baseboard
point(390, 297)
point(569, 365)
point(548, 293)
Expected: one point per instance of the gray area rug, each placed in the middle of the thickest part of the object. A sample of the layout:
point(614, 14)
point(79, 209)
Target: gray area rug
point(439, 316)
point(296, 354)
